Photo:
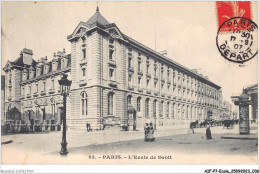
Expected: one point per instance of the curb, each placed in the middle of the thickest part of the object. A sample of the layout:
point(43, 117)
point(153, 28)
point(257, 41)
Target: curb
point(241, 138)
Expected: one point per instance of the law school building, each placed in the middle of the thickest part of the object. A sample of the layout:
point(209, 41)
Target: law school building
point(110, 72)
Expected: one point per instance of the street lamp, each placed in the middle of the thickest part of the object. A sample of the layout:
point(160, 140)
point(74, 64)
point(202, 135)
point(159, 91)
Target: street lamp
point(64, 89)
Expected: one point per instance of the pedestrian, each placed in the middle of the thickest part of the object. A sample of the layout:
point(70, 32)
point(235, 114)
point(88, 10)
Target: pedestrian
point(146, 132)
point(208, 132)
point(192, 127)
point(151, 132)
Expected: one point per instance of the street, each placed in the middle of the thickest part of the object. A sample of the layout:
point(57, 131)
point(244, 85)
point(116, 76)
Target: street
point(112, 146)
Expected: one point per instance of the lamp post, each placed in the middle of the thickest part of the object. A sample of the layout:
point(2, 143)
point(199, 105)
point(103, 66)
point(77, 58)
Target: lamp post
point(64, 88)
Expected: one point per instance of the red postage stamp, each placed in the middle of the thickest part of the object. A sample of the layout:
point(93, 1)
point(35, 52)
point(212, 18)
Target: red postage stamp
point(230, 9)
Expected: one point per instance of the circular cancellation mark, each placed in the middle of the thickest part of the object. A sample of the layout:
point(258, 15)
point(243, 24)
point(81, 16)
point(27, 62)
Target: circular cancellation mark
point(237, 39)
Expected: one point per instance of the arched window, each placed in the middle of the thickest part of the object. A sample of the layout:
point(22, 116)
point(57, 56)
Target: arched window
point(154, 108)
point(110, 103)
point(147, 107)
point(84, 104)
point(129, 100)
point(161, 109)
point(138, 104)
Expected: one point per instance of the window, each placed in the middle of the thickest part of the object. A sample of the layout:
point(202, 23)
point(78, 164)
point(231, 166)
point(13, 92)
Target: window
point(30, 90)
point(139, 64)
point(129, 62)
point(37, 112)
point(173, 105)
point(84, 53)
point(110, 103)
point(84, 104)
point(147, 108)
point(167, 110)
point(155, 70)
point(187, 112)
point(111, 74)
point(83, 72)
point(44, 86)
point(23, 91)
point(161, 109)
point(111, 52)
point(129, 100)
point(155, 84)
point(147, 83)
point(37, 86)
point(52, 83)
point(154, 108)
point(52, 108)
point(147, 66)
point(139, 81)
point(130, 78)
point(138, 104)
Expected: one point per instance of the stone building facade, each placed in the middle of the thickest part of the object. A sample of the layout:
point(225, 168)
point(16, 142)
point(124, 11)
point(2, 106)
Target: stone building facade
point(109, 71)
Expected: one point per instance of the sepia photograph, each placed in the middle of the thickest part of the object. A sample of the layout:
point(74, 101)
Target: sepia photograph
point(129, 82)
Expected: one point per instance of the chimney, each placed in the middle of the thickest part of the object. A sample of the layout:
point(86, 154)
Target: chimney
point(27, 56)
point(163, 53)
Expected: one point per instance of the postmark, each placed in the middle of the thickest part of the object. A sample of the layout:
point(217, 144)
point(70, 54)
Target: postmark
point(237, 39)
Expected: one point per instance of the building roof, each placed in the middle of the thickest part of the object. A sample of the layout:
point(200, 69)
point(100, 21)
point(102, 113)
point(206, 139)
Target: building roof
point(97, 17)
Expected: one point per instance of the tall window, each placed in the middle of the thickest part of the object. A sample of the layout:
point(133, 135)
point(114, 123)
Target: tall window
point(110, 103)
point(167, 110)
point(52, 108)
point(83, 72)
point(161, 109)
point(173, 105)
point(139, 64)
point(37, 112)
point(139, 81)
point(147, 67)
point(111, 74)
point(84, 53)
point(129, 62)
point(37, 86)
point(147, 107)
point(44, 86)
point(138, 104)
point(52, 83)
point(129, 100)
point(129, 78)
point(155, 84)
point(84, 104)
point(30, 90)
point(111, 52)
point(147, 83)
point(154, 108)
point(187, 112)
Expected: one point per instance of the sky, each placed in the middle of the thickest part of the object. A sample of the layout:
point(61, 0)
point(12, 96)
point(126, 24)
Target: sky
point(187, 30)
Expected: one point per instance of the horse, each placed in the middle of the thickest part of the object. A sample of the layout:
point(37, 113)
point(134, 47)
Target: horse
point(228, 123)
point(194, 124)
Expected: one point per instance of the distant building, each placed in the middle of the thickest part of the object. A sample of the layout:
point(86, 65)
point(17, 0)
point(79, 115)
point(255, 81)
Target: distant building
point(109, 72)
point(2, 99)
point(226, 110)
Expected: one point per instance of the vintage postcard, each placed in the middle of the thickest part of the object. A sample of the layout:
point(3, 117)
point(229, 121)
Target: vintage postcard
point(129, 82)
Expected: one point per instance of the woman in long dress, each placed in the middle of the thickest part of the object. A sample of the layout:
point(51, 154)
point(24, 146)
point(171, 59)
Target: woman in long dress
point(146, 132)
point(208, 132)
point(151, 132)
